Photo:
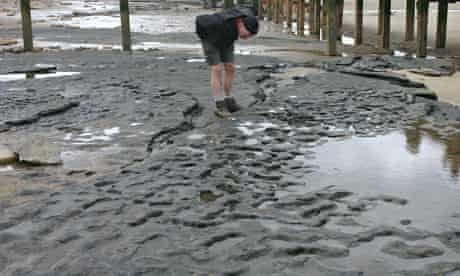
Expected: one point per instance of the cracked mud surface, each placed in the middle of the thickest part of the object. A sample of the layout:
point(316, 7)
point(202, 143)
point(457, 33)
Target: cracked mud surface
point(180, 192)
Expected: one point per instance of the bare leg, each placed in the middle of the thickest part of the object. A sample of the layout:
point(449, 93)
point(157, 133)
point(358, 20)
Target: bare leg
point(216, 81)
point(229, 69)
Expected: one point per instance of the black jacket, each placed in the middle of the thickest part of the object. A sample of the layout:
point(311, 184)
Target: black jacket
point(219, 28)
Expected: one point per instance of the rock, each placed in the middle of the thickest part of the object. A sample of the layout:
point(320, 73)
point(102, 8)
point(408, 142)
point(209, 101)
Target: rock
point(209, 196)
point(39, 151)
point(285, 147)
point(336, 133)
point(358, 206)
point(405, 222)
point(347, 222)
point(38, 68)
point(4, 127)
point(307, 138)
point(426, 72)
point(405, 251)
point(7, 156)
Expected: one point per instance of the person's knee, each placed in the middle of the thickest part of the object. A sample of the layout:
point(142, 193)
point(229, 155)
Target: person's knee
point(216, 69)
point(229, 68)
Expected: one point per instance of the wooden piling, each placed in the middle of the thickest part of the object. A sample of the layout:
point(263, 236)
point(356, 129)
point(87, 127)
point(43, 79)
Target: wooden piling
point(282, 12)
point(340, 7)
point(380, 17)
point(269, 10)
point(228, 4)
point(386, 25)
point(311, 16)
point(289, 15)
point(441, 32)
point(301, 18)
point(422, 27)
point(332, 27)
point(26, 25)
point(260, 9)
point(324, 21)
point(359, 22)
point(276, 11)
point(125, 27)
point(410, 19)
point(317, 18)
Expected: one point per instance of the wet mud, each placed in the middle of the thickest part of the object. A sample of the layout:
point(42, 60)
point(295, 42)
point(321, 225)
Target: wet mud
point(152, 183)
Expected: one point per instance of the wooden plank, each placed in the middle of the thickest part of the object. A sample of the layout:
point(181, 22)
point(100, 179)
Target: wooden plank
point(386, 25)
point(359, 22)
point(26, 25)
point(332, 27)
point(125, 27)
point(422, 27)
point(441, 32)
point(410, 20)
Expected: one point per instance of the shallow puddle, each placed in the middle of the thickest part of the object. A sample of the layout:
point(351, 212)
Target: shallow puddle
point(26, 76)
point(99, 160)
point(418, 165)
point(400, 160)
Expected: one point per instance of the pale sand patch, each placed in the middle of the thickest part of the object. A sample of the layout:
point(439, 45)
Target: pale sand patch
point(447, 88)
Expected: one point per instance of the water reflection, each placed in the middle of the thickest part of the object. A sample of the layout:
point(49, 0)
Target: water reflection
point(451, 143)
point(401, 161)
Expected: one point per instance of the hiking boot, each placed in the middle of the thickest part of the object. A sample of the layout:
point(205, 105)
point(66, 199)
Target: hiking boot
point(231, 104)
point(221, 110)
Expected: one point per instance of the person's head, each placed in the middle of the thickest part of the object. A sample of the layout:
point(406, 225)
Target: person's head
point(247, 26)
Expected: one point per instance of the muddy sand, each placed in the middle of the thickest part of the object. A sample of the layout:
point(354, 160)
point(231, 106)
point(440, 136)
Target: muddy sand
point(335, 166)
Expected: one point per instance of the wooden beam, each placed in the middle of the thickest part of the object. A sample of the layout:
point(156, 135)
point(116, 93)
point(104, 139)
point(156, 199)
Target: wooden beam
point(359, 22)
point(422, 27)
point(410, 19)
point(441, 32)
point(386, 25)
point(26, 25)
point(125, 27)
point(332, 27)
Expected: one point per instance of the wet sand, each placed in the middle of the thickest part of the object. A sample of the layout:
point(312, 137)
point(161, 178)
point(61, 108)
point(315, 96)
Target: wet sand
point(446, 88)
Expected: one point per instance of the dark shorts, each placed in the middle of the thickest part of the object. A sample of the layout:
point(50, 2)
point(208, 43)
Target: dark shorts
point(215, 55)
